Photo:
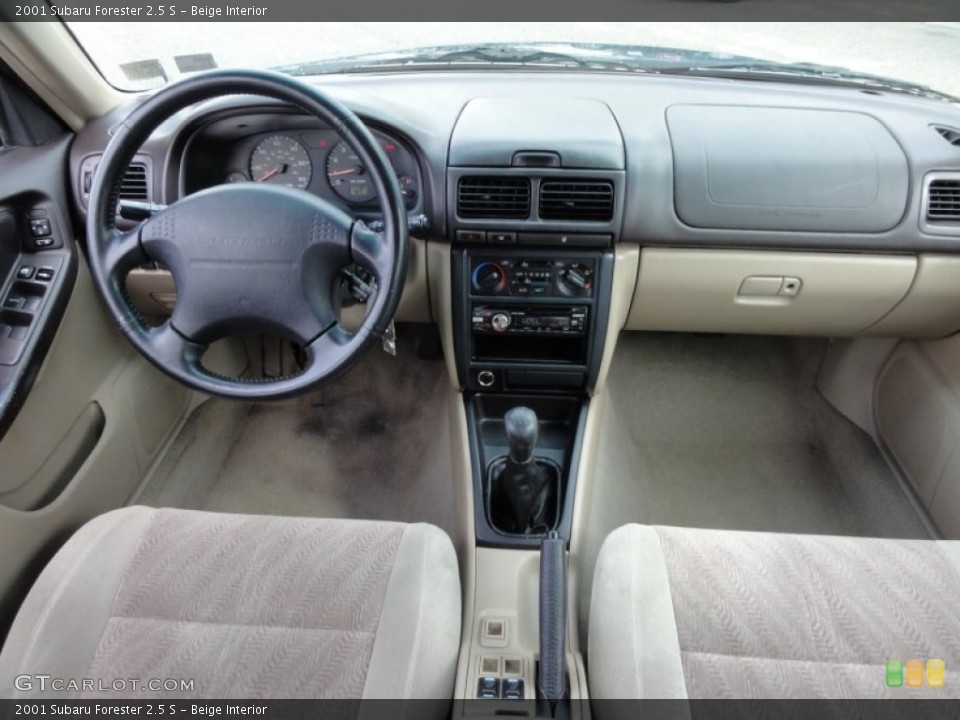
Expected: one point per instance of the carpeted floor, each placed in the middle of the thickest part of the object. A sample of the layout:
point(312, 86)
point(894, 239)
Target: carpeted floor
point(373, 445)
point(731, 432)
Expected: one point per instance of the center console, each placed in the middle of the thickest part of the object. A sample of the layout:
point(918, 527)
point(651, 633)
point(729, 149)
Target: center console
point(534, 213)
point(530, 318)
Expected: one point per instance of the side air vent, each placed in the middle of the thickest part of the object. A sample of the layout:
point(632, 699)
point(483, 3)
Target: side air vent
point(951, 135)
point(493, 197)
point(943, 200)
point(576, 200)
point(134, 184)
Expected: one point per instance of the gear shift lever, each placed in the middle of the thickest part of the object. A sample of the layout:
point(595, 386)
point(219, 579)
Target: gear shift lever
point(522, 428)
point(520, 490)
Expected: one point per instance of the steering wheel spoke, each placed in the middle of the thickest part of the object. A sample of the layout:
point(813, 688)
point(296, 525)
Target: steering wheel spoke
point(122, 252)
point(369, 249)
point(174, 350)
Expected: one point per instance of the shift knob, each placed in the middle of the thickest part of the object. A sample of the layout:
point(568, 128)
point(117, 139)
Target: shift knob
point(522, 428)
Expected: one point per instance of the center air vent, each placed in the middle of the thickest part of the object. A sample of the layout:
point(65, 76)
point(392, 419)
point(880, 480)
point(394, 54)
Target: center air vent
point(576, 200)
point(943, 200)
point(493, 197)
point(134, 184)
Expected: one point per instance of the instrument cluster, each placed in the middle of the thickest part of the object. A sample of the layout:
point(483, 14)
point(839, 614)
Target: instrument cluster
point(314, 159)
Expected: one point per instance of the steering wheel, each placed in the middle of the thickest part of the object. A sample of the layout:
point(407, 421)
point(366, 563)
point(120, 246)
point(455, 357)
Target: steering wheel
point(249, 258)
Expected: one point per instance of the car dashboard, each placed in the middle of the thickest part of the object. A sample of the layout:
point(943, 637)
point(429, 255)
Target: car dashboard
point(753, 206)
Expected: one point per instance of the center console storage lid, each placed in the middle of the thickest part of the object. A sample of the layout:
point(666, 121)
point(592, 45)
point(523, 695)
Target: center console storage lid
point(791, 169)
point(510, 132)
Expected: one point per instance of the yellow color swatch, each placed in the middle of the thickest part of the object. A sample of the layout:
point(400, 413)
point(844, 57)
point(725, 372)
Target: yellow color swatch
point(935, 673)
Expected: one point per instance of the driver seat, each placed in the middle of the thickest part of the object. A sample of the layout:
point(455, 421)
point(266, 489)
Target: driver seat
point(245, 606)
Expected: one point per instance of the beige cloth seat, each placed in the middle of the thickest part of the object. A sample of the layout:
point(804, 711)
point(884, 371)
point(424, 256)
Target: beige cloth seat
point(245, 606)
point(687, 613)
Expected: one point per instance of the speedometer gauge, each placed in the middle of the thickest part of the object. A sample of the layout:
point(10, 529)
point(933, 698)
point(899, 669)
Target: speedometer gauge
point(282, 160)
point(347, 175)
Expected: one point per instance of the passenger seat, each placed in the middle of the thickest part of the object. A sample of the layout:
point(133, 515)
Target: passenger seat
point(690, 613)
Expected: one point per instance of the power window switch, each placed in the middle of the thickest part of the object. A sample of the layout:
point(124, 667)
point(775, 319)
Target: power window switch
point(45, 274)
point(13, 302)
point(40, 227)
point(511, 689)
point(19, 332)
point(488, 688)
point(26, 272)
point(43, 242)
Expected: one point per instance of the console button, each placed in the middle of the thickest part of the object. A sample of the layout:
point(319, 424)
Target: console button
point(13, 302)
point(45, 274)
point(501, 238)
point(488, 687)
point(25, 272)
point(512, 689)
point(43, 242)
point(471, 236)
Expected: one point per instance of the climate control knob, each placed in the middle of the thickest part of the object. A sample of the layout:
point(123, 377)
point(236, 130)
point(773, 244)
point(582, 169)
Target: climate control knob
point(576, 279)
point(500, 322)
point(489, 278)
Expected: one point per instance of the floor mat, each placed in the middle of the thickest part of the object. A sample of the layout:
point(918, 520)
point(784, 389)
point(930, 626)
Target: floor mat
point(373, 445)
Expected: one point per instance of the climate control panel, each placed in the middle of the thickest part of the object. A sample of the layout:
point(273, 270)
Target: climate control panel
point(532, 277)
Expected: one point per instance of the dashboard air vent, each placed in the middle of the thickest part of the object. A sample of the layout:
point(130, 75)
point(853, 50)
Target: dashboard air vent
point(576, 200)
point(951, 135)
point(493, 197)
point(134, 184)
point(943, 200)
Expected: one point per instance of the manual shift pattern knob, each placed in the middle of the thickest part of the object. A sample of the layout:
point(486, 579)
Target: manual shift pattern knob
point(522, 428)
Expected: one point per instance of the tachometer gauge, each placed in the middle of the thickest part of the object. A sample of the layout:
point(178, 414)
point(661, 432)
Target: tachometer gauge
point(282, 160)
point(347, 175)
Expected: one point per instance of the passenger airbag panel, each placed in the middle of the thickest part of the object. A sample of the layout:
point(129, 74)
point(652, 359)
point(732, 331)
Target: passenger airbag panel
point(792, 169)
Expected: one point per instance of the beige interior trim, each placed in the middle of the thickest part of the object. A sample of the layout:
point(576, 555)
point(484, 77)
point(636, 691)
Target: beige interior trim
point(932, 307)
point(502, 637)
point(744, 291)
point(849, 374)
point(582, 555)
point(87, 362)
point(441, 301)
point(626, 265)
point(47, 58)
point(917, 410)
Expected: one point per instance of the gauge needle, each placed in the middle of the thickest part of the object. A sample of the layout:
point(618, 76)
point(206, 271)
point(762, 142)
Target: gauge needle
point(278, 170)
point(346, 171)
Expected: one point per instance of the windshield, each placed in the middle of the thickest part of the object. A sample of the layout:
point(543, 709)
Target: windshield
point(138, 56)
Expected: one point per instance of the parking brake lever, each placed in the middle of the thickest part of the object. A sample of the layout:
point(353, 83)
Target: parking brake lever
point(552, 676)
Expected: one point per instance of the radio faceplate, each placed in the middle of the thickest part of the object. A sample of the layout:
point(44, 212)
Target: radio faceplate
point(535, 320)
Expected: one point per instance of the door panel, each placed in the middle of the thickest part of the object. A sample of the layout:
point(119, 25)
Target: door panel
point(82, 417)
